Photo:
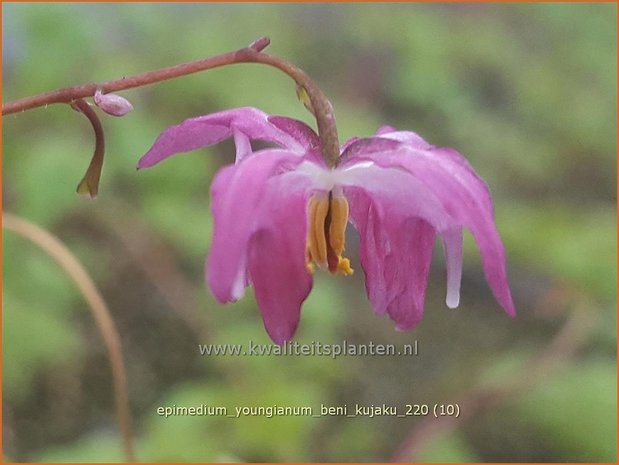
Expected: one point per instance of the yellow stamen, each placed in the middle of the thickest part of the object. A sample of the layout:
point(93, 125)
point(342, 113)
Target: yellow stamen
point(344, 266)
point(339, 220)
point(326, 238)
point(316, 240)
point(308, 261)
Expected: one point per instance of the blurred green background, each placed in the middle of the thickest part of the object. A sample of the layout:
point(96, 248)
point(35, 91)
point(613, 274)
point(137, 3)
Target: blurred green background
point(527, 92)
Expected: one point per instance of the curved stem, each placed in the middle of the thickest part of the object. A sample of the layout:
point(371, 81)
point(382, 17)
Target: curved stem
point(90, 182)
point(53, 247)
point(68, 94)
point(320, 105)
point(321, 108)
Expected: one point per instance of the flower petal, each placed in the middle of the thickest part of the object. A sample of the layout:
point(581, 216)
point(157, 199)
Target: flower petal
point(452, 243)
point(452, 160)
point(211, 129)
point(242, 144)
point(366, 145)
point(374, 247)
point(349, 142)
point(465, 197)
point(300, 131)
point(413, 139)
point(236, 201)
point(408, 269)
point(396, 216)
point(397, 192)
point(277, 257)
point(396, 253)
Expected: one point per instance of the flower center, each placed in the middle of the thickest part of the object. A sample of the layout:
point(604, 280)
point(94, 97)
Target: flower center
point(328, 217)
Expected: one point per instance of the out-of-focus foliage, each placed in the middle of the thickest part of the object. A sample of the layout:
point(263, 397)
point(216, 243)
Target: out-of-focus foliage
point(527, 92)
point(555, 408)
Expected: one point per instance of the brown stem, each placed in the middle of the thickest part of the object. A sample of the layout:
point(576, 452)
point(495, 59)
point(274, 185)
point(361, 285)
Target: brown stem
point(322, 108)
point(68, 94)
point(90, 182)
point(53, 247)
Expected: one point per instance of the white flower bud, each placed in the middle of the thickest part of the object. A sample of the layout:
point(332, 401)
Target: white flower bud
point(112, 104)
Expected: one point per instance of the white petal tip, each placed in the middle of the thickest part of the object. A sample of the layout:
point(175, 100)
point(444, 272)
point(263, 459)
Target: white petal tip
point(453, 301)
point(237, 293)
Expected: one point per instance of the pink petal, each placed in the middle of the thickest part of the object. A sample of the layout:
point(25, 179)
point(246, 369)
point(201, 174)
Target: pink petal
point(366, 145)
point(450, 159)
point(374, 247)
point(464, 196)
point(409, 268)
point(413, 139)
point(395, 252)
point(242, 144)
point(236, 201)
point(396, 216)
point(277, 263)
point(211, 129)
point(347, 144)
point(397, 193)
point(300, 131)
point(387, 226)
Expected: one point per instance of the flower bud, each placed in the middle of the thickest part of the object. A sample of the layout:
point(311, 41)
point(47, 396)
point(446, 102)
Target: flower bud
point(112, 104)
point(259, 44)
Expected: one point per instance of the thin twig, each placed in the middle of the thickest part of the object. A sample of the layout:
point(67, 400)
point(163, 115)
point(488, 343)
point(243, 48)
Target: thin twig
point(318, 102)
point(68, 94)
point(53, 247)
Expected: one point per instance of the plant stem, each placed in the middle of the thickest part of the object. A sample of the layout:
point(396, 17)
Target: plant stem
point(322, 109)
point(68, 94)
point(53, 247)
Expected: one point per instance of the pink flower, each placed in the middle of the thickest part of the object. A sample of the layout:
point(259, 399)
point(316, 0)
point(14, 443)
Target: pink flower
point(281, 211)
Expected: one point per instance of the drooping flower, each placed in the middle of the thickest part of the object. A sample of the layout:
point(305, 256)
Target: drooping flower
point(279, 212)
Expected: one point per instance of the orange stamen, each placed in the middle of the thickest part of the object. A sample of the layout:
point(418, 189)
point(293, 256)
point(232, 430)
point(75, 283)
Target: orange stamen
point(326, 238)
